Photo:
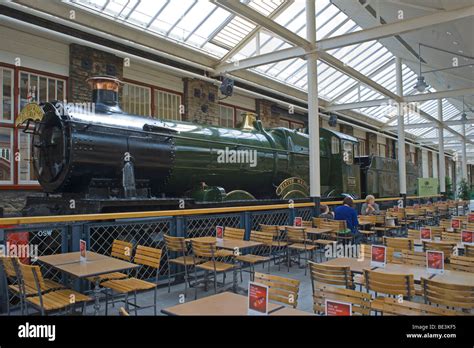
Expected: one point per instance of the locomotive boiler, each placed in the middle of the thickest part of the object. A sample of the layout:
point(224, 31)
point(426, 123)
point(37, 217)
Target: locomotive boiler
point(105, 159)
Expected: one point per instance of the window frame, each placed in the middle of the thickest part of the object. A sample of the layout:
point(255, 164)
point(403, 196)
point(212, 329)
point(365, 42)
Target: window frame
point(236, 113)
point(291, 123)
point(15, 183)
point(152, 94)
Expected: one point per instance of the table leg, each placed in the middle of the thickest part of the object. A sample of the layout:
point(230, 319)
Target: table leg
point(96, 296)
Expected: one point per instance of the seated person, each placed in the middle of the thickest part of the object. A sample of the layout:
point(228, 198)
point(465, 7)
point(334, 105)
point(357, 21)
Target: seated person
point(370, 207)
point(348, 213)
point(326, 213)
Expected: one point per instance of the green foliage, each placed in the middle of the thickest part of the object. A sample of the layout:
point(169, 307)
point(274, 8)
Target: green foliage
point(464, 191)
point(449, 188)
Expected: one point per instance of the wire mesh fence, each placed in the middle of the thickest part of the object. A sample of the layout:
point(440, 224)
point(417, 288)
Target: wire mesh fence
point(148, 233)
point(203, 226)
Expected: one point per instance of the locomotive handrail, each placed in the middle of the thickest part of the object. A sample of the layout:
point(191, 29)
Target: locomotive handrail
point(167, 213)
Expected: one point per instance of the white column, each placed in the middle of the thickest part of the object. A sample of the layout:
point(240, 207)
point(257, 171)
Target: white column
point(401, 131)
point(464, 155)
point(313, 104)
point(442, 163)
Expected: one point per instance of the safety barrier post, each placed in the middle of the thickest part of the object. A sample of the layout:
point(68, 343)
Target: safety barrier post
point(246, 223)
point(291, 216)
point(74, 233)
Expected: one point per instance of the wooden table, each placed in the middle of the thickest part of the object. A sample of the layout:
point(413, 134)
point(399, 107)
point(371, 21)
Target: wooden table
point(289, 311)
point(225, 303)
point(95, 265)
point(449, 276)
point(61, 259)
point(227, 243)
point(231, 244)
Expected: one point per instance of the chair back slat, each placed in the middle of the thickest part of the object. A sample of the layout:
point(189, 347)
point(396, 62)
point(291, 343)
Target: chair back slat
point(329, 274)
point(317, 222)
point(28, 274)
point(204, 249)
point(451, 236)
point(446, 248)
point(360, 301)
point(280, 289)
point(468, 250)
point(295, 234)
point(390, 283)
point(122, 250)
point(176, 244)
point(399, 244)
point(462, 263)
point(234, 233)
point(366, 252)
point(449, 295)
point(148, 256)
point(261, 237)
point(10, 265)
point(414, 258)
point(392, 306)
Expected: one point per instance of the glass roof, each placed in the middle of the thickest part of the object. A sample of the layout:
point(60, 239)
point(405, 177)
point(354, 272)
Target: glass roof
point(213, 30)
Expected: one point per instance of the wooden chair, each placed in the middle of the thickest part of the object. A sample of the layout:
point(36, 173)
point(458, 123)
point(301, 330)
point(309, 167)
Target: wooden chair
point(327, 238)
point(399, 244)
point(280, 289)
point(121, 250)
point(368, 221)
point(207, 251)
point(389, 283)
point(462, 263)
point(306, 223)
point(279, 244)
point(10, 267)
point(177, 245)
point(366, 251)
point(452, 296)
point(468, 250)
point(252, 259)
point(413, 234)
point(234, 233)
point(391, 306)
point(47, 301)
point(445, 224)
point(329, 274)
point(145, 257)
point(446, 248)
point(297, 242)
point(360, 301)
point(414, 258)
point(436, 232)
point(317, 222)
point(451, 236)
point(340, 231)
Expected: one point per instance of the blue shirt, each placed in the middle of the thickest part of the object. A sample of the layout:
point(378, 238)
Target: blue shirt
point(349, 214)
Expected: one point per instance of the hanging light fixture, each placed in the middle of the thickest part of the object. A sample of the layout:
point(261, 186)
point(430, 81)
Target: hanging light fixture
point(421, 84)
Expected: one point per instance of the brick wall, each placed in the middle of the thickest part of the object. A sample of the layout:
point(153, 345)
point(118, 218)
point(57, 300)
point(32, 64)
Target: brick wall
point(267, 116)
point(346, 129)
point(85, 62)
point(201, 102)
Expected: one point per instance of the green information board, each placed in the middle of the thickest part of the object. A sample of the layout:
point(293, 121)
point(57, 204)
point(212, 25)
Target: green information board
point(428, 186)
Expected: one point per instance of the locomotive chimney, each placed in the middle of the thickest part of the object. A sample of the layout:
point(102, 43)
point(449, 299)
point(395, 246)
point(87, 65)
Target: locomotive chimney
point(105, 93)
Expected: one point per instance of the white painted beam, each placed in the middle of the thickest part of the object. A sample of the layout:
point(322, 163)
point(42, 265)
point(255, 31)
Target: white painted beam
point(395, 28)
point(249, 13)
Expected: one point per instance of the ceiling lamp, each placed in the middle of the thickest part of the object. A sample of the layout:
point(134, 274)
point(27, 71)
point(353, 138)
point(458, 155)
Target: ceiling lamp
point(421, 84)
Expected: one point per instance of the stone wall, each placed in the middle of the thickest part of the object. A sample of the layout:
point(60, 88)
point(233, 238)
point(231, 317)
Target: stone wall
point(267, 116)
point(13, 201)
point(85, 62)
point(201, 102)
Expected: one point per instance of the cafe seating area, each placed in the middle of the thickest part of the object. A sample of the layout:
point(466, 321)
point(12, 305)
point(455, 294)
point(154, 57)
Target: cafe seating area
point(303, 266)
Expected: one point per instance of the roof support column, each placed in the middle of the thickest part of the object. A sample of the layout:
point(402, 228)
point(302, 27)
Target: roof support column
point(442, 164)
point(313, 107)
point(401, 131)
point(464, 155)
